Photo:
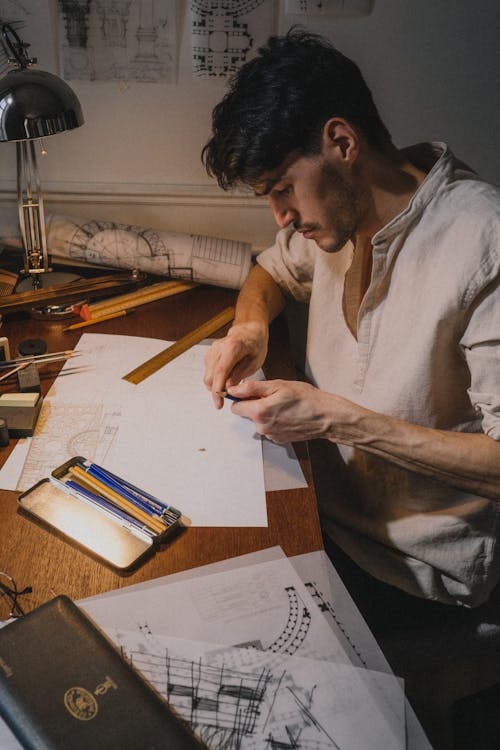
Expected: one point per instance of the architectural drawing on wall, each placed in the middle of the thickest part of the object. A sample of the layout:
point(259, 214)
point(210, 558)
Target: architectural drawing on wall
point(338, 8)
point(224, 33)
point(118, 40)
point(205, 260)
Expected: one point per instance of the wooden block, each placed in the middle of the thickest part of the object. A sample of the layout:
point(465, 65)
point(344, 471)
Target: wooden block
point(29, 379)
point(21, 414)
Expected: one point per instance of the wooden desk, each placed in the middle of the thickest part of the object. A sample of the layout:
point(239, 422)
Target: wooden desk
point(34, 556)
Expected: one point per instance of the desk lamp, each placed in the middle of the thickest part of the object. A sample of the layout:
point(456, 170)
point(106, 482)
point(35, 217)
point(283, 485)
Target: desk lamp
point(33, 104)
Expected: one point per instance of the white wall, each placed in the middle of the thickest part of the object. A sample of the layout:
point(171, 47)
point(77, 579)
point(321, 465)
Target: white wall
point(433, 66)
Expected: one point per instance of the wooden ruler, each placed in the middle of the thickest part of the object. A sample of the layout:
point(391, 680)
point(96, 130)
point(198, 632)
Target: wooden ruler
point(134, 299)
point(182, 345)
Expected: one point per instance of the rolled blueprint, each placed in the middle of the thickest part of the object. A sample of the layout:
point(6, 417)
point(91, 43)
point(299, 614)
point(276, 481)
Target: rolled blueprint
point(192, 257)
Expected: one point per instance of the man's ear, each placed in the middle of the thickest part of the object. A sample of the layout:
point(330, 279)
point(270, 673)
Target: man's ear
point(340, 140)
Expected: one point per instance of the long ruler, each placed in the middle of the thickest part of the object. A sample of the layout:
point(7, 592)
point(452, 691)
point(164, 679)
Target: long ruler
point(182, 345)
point(134, 299)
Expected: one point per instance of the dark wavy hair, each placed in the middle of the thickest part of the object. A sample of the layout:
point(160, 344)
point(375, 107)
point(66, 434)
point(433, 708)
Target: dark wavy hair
point(278, 102)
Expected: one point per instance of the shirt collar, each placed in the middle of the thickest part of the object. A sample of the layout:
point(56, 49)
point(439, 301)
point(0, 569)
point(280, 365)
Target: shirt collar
point(435, 158)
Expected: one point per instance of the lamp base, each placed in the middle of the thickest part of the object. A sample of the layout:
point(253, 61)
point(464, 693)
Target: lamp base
point(46, 280)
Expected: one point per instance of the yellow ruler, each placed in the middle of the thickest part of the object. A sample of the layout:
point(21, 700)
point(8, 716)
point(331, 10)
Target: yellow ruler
point(182, 345)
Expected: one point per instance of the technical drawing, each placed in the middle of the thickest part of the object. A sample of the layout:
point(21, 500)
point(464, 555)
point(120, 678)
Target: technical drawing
point(68, 430)
point(190, 257)
point(223, 33)
point(238, 699)
point(297, 626)
point(338, 8)
point(229, 707)
point(118, 40)
point(328, 610)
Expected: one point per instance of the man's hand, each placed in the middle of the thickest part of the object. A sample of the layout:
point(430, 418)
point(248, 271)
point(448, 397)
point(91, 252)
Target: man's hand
point(237, 355)
point(286, 411)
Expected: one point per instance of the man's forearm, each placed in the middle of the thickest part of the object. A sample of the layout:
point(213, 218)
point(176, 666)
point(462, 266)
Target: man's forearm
point(260, 298)
point(288, 411)
point(468, 462)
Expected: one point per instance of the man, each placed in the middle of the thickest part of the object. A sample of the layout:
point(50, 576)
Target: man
point(397, 254)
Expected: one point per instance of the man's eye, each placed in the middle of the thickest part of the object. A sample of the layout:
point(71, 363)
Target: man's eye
point(284, 190)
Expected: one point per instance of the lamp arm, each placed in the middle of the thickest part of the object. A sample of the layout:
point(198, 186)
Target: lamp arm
point(31, 211)
point(15, 47)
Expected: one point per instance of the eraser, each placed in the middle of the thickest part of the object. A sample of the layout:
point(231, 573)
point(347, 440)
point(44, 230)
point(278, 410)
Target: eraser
point(19, 399)
point(29, 379)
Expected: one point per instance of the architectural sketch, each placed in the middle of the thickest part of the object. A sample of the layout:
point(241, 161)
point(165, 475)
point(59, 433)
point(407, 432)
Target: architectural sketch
point(68, 430)
point(325, 605)
point(224, 33)
point(235, 699)
point(118, 40)
point(206, 260)
point(339, 8)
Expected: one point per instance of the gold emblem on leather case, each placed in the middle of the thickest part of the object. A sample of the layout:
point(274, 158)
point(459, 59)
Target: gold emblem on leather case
point(80, 703)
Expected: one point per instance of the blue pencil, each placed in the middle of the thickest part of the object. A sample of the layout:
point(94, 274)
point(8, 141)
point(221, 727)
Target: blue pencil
point(141, 499)
point(105, 505)
point(225, 394)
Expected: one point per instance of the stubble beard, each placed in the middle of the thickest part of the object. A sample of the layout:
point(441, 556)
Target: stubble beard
point(346, 213)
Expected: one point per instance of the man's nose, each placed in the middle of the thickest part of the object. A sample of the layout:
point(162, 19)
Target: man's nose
point(283, 215)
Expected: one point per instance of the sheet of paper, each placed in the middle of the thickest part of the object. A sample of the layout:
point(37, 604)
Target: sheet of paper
point(258, 602)
point(163, 435)
point(12, 468)
point(331, 596)
point(242, 698)
point(266, 605)
point(282, 470)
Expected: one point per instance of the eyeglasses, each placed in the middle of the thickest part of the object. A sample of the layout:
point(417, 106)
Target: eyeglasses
point(10, 594)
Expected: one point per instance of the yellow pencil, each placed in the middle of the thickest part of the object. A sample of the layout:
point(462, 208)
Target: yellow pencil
point(93, 321)
point(84, 478)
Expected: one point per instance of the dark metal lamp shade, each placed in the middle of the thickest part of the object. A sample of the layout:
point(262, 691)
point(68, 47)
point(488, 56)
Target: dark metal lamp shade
point(35, 104)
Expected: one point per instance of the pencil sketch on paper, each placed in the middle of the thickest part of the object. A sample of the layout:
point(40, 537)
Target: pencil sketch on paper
point(68, 430)
point(236, 699)
point(325, 606)
point(223, 34)
point(206, 260)
point(118, 41)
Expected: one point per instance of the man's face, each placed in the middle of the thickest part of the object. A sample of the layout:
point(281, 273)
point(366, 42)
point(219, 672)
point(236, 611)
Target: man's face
point(310, 192)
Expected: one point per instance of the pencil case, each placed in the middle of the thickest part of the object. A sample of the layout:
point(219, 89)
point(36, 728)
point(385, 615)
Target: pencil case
point(104, 515)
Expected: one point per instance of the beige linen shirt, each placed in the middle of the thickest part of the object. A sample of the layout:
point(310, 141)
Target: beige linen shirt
point(427, 351)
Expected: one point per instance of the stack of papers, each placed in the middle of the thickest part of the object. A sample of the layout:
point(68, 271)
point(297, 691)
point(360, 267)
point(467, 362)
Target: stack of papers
point(252, 656)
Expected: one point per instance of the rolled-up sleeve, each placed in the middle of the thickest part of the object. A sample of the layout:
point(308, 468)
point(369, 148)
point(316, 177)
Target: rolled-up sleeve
point(481, 345)
point(290, 261)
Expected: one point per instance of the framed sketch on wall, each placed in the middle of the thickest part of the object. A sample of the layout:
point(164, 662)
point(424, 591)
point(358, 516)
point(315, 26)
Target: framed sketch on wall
point(118, 41)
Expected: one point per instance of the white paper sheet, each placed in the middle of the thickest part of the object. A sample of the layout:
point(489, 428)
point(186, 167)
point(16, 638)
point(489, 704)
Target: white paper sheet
point(163, 435)
point(258, 602)
point(265, 604)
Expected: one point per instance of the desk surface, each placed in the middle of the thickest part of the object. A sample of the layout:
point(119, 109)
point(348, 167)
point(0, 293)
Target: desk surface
point(35, 557)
